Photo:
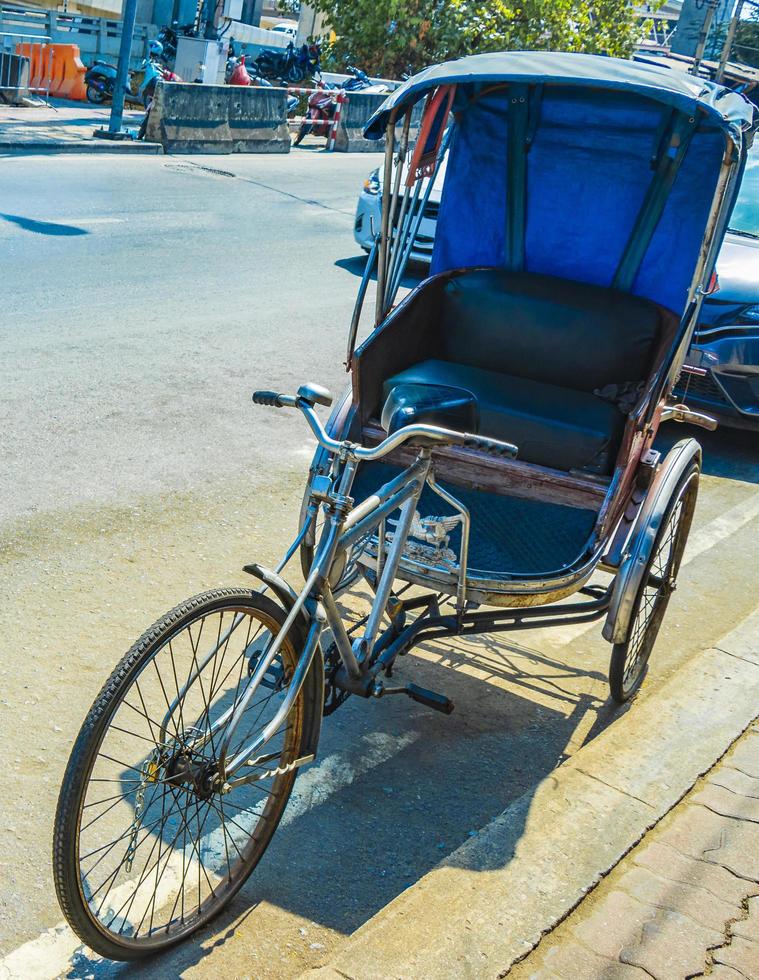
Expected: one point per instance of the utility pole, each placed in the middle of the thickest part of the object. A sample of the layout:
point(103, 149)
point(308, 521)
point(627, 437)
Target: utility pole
point(698, 55)
point(114, 131)
point(729, 40)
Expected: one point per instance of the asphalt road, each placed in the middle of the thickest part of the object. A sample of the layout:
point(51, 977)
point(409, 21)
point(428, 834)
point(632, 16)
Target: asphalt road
point(144, 300)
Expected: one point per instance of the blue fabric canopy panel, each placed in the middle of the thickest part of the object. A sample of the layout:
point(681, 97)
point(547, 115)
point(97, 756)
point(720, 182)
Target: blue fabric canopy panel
point(589, 165)
point(593, 169)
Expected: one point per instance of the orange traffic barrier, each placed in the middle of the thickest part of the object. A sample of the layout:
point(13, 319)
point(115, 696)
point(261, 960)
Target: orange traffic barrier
point(72, 72)
point(56, 68)
point(40, 64)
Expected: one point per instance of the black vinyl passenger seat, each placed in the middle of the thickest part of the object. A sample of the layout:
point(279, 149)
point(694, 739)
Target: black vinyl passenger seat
point(535, 351)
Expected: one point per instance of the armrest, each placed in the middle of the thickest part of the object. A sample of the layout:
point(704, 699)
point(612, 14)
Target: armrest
point(409, 334)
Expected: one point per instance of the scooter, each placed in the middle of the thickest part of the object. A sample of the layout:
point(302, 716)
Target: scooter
point(237, 74)
point(360, 82)
point(166, 76)
point(100, 79)
point(169, 38)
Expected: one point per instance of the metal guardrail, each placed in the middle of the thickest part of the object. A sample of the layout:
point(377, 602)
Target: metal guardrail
point(26, 63)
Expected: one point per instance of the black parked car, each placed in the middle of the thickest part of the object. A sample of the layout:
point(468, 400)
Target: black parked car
point(725, 350)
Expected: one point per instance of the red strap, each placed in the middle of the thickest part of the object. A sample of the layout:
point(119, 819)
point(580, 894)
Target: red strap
point(427, 147)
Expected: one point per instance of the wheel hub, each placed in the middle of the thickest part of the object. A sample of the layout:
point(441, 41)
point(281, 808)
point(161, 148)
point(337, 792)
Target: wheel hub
point(202, 776)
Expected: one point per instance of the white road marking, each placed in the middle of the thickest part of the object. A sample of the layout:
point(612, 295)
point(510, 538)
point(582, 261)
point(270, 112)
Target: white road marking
point(699, 541)
point(721, 527)
point(51, 954)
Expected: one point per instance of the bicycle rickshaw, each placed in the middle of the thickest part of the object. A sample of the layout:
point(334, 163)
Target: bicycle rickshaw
point(495, 449)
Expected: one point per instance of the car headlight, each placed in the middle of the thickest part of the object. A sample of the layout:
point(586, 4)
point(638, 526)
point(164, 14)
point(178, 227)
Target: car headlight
point(372, 183)
point(750, 315)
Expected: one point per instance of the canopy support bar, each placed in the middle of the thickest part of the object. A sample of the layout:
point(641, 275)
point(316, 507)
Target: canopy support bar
point(386, 199)
point(524, 115)
point(677, 138)
point(416, 214)
point(516, 190)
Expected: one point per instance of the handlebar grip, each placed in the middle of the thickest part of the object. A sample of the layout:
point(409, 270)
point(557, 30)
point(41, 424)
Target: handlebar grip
point(271, 398)
point(493, 446)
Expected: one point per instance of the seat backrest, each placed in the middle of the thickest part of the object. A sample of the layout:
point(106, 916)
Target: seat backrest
point(553, 330)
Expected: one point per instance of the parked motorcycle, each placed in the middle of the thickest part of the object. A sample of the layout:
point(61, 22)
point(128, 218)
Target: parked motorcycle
point(237, 74)
point(322, 103)
point(100, 79)
point(360, 82)
point(319, 114)
point(169, 37)
point(291, 65)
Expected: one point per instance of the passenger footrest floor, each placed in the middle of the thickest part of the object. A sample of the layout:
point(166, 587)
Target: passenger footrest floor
point(509, 535)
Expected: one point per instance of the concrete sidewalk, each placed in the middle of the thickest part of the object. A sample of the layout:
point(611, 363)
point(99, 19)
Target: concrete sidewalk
point(65, 127)
point(684, 902)
point(486, 910)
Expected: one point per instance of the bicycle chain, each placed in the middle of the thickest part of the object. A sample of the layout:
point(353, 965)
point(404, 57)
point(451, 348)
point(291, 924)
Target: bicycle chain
point(147, 775)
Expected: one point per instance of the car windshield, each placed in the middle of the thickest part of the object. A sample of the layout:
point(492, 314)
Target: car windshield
point(745, 218)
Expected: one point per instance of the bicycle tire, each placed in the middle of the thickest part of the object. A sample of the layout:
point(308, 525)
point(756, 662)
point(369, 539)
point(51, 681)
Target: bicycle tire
point(629, 660)
point(70, 883)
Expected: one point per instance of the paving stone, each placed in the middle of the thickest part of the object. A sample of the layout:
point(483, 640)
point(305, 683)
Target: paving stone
point(571, 961)
point(727, 804)
point(615, 923)
point(742, 955)
point(710, 837)
point(703, 907)
point(672, 865)
point(721, 972)
point(735, 781)
point(748, 928)
point(745, 754)
point(671, 945)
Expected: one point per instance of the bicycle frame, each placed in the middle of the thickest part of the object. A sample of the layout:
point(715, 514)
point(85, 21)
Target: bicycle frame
point(345, 526)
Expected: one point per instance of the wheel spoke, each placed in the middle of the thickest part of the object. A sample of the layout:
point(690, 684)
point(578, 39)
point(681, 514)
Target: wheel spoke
point(631, 657)
point(159, 847)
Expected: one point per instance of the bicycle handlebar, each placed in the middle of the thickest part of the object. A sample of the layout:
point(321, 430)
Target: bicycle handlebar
point(506, 450)
point(273, 399)
point(435, 433)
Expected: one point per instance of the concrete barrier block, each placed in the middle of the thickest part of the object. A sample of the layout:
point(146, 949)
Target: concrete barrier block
point(188, 118)
point(357, 111)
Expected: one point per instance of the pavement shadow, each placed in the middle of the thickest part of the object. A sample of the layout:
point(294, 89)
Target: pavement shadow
point(362, 843)
point(44, 227)
point(729, 453)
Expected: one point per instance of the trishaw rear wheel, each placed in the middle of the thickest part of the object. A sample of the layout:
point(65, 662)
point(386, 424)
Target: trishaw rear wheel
point(629, 660)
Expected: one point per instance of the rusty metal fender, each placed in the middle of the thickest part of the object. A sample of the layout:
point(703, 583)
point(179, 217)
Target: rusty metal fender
point(287, 596)
point(643, 535)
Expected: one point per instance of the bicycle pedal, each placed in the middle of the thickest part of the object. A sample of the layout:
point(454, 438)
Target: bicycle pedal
point(438, 702)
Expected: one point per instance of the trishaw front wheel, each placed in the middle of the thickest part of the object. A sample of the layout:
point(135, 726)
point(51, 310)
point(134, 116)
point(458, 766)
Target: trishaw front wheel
point(629, 659)
point(149, 842)
point(351, 571)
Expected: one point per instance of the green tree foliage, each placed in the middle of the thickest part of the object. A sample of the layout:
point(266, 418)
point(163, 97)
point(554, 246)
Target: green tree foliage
point(746, 46)
point(388, 37)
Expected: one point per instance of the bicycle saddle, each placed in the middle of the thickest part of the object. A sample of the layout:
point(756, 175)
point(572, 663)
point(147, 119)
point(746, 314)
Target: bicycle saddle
point(415, 404)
